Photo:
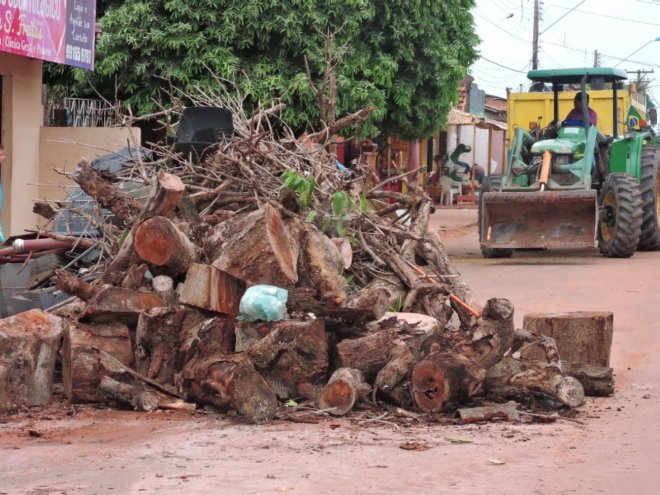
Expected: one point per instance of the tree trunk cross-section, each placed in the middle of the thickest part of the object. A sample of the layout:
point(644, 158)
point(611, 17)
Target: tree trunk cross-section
point(158, 242)
point(345, 387)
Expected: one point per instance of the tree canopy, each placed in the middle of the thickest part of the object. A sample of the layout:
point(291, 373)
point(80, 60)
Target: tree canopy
point(404, 57)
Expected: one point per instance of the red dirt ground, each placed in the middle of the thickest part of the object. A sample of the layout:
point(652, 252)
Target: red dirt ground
point(613, 450)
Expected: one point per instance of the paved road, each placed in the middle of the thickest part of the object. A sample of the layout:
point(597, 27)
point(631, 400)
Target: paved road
point(613, 452)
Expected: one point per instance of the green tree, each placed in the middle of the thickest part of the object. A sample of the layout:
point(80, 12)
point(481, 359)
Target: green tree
point(404, 57)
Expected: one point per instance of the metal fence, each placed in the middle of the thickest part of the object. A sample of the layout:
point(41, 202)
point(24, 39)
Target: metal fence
point(82, 112)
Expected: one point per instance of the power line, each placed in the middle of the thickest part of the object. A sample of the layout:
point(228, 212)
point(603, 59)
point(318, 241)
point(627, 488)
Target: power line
point(503, 66)
point(598, 14)
point(501, 28)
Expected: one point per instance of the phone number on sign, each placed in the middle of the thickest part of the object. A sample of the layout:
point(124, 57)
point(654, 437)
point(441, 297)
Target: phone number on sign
point(77, 54)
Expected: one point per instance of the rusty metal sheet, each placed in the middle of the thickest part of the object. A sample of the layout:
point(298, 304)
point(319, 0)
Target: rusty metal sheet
point(544, 219)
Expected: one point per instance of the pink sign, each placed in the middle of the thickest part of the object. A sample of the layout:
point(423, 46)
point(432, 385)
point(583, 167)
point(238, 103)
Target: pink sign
point(54, 30)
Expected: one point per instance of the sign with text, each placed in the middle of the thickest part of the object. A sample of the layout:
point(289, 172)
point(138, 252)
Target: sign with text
point(54, 30)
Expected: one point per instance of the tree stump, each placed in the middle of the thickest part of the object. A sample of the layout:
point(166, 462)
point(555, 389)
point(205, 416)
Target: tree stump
point(597, 381)
point(28, 350)
point(158, 242)
point(255, 248)
point(442, 380)
point(582, 337)
point(80, 374)
point(229, 382)
point(293, 353)
point(345, 387)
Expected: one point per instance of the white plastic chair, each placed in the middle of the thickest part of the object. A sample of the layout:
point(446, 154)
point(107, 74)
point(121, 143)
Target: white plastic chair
point(449, 188)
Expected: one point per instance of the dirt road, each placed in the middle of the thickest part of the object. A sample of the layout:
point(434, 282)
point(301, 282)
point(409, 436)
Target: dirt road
point(612, 451)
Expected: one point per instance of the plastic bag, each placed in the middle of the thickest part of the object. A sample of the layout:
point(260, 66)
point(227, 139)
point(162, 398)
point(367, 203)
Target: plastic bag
point(263, 302)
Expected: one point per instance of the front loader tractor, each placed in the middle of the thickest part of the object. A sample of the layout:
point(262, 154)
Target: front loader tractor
point(568, 185)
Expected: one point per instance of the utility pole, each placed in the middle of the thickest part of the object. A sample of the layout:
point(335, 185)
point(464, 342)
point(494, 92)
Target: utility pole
point(596, 58)
point(535, 40)
point(640, 82)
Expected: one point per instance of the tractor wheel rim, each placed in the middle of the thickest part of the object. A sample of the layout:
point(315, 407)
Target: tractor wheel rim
point(607, 226)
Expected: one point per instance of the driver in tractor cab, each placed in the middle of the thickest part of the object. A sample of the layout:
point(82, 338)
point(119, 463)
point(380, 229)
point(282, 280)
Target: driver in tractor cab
point(576, 116)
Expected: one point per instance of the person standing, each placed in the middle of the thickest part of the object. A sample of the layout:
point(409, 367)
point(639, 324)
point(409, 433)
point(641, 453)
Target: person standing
point(479, 173)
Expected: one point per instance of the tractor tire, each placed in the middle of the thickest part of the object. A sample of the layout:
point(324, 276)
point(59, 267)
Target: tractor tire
point(649, 239)
point(490, 183)
point(620, 219)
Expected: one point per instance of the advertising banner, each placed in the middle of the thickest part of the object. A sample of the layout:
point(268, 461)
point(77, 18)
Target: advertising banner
point(54, 30)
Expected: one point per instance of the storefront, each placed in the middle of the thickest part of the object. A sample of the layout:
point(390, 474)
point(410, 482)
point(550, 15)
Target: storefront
point(60, 31)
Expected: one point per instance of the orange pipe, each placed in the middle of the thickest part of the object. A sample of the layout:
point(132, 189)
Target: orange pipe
point(464, 305)
point(545, 169)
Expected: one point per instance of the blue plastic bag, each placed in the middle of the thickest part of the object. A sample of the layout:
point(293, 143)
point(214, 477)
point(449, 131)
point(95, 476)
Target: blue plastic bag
point(263, 302)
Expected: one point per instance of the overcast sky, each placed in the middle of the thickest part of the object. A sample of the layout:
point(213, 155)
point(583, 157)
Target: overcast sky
point(614, 28)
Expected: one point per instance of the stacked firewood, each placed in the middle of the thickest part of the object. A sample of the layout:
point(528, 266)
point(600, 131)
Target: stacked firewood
point(375, 308)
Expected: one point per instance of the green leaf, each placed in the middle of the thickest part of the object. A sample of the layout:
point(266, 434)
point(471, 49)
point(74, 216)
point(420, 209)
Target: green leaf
point(341, 203)
point(365, 207)
point(311, 216)
point(291, 403)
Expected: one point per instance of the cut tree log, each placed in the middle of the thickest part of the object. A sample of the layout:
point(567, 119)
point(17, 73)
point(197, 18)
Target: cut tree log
point(343, 245)
point(80, 374)
point(523, 339)
point(582, 337)
point(345, 387)
point(212, 289)
point(140, 396)
point(107, 196)
point(255, 248)
point(202, 336)
point(247, 333)
point(163, 286)
point(303, 300)
point(442, 380)
point(369, 354)
point(493, 336)
point(165, 196)
point(372, 302)
point(320, 264)
point(392, 285)
point(29, 343)
point(396, 370)
point(292, 354)
point(514, 378)
point(107, 303)
point(507, 412)
point(135, 276)
point(156, 342)
point(117, 304)
point(158, 242)
point(229, 382)
point(597, 381)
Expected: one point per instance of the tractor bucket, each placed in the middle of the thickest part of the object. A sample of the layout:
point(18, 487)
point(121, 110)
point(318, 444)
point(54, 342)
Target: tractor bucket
point(545, 219)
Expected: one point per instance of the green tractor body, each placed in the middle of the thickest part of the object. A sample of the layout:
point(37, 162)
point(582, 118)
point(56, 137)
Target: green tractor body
point(571, 186)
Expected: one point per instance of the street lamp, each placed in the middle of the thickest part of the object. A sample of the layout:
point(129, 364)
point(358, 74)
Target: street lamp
point(647, 43)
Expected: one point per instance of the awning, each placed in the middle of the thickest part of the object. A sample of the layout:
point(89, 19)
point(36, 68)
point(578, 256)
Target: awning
point(456, 117)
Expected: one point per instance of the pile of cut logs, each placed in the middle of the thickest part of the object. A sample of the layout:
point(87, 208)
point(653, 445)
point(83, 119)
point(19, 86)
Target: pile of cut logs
point(375, 309)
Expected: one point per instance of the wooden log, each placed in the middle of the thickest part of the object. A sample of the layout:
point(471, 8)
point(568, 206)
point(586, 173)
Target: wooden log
point(158, 242)
point(202, 336)
point(165, 196)
point(229, 382)
point(292, 353)
point(345, 387)
point(163, 286)
point(72, 285)
point(156, 341)
point(118, 304)
point(392, 285)
point(140, 396)
point(419, 227)
point(135, 276)
point(523, 338)
point(303, 300)
point(413, 328)
point(493, 335)
point(582, 337)
point(442, 380)
point(255, 248)
point(369, 354)
point(107, 196)
point(396, 370)
point(514, 378)
point(29, 343)
point(321, 265)
point(372, 302)
point(80, 375)
point(507, 412)
point(597, 381)
point(209, 288)
point(247, 333)
point(343, 245)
